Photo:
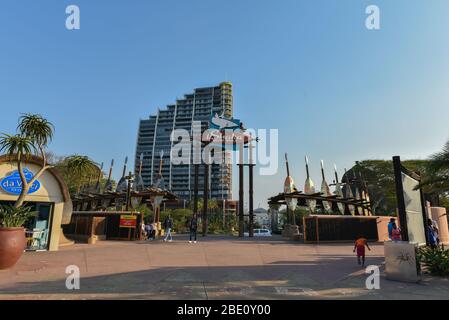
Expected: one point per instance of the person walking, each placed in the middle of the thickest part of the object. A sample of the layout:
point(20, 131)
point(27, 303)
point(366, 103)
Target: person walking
point(168, 225)
point(149, 230)
point(193, 229)
point(143, 231)
point(395, 233)
point(436, 231)
point(360, 245)
point(432, 237)
point(390, 227)
point(153, 230)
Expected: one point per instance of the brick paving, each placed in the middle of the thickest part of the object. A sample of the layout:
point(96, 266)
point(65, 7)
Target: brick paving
point(217, 267)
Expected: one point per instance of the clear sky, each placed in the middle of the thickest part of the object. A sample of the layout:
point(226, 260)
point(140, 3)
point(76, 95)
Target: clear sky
point(335, 90)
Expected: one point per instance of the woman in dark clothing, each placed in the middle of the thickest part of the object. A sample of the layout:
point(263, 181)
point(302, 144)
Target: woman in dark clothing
point(193, 229)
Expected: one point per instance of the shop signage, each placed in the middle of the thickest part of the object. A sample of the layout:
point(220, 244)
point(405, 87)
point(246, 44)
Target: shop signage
point(13, 184)
point(128, 221)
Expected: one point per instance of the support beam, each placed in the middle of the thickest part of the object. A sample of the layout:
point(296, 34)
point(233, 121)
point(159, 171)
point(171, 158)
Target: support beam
point(195, 191)
point(251, 201)
point(206, 198)
point(400, 197)
point(241, 201)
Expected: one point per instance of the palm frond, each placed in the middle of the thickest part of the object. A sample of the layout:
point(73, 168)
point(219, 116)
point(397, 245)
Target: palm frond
point(36, 128)
point(16, 144)
point(440, 160)
point(82, 166)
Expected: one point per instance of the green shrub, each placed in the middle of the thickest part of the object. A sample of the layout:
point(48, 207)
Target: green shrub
point(216, 227)
point(180, 226)
point(436, 260)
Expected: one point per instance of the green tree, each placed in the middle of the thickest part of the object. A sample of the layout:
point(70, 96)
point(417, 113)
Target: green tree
point(200, 203)
point(379, 178)
point(436, 177)
point(77, 170)
point(212, 204)
point(33, 134)
point(147, 213)
point(300, 213)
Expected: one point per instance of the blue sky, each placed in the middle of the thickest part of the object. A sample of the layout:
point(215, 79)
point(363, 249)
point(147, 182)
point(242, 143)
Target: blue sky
point(335, 90)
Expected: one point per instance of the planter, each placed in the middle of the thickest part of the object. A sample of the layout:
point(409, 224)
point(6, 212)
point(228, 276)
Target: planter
point(12, 244)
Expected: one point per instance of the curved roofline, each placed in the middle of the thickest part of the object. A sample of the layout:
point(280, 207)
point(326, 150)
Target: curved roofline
point(38, 161)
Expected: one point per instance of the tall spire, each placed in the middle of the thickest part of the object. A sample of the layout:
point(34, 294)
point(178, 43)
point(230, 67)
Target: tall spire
point(286, 163)
point(307, 167)
point(338, 191)
point(325, 190)
point(309, 188)
point(108, 186)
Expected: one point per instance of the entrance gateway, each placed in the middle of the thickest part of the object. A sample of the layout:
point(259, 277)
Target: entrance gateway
point(49, 196)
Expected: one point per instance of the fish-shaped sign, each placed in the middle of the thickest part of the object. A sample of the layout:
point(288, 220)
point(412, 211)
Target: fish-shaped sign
point(219, 122)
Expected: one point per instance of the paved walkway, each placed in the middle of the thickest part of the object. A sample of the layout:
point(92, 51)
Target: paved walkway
point(214, 268)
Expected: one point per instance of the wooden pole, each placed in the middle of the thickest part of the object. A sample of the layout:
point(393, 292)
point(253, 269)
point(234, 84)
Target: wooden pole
point(128, 192)
point(251, 189)
point(251, 201)
point(195, 190)
point(241, 200)
point(402, 215)
point(241, 193)
point(206, 198)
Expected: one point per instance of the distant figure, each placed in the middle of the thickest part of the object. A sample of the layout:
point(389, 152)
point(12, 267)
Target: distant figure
point(193, 229)
point(168, 225)
point(432, 237)
point(395, 233)
point(359, 245)
point(149, 230)
point(436, 231)
point(153, 230)
point(143, 231)
point(390, 227)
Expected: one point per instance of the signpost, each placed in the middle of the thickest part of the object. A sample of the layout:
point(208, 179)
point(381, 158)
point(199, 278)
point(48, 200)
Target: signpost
point(224, 132)
point(129, 222)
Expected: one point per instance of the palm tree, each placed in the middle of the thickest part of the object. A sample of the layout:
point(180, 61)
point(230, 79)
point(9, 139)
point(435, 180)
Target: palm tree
point(36, 127)
point(212, 204)
point(81, 168)
point(34, 133)
point(199, 204)
point(436, 175)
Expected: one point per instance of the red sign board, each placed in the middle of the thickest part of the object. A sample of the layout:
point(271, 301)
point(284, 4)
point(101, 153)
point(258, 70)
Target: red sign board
point(128, 221)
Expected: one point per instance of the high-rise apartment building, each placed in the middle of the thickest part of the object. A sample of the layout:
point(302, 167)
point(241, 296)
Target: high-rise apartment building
point(154, 138)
